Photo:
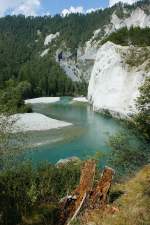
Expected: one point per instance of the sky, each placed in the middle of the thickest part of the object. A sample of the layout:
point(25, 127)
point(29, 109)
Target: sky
point(52, 7)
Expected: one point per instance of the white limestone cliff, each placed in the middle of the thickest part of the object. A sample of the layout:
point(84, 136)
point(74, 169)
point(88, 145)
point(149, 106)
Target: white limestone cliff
point(81, 68)
point(113, 86)
point(137, 18)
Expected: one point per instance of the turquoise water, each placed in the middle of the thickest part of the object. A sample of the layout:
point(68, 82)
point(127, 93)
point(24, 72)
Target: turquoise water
point(88, 134)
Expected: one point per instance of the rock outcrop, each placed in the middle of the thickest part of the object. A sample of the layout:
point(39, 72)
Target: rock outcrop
point(80, 67)
point(114, 85)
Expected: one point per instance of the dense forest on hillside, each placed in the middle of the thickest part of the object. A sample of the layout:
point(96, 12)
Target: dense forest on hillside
point(22, 40)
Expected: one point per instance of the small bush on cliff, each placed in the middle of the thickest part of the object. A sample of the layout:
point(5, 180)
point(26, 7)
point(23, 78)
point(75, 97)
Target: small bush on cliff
point(142, 119)
point(134, 36)
point(137, 57)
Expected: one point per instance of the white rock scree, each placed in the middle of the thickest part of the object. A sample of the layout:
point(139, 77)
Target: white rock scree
point(35, 122)
point(42, 100)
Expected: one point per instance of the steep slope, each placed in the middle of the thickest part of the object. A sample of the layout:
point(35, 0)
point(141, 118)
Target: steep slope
point(138, 17)
point(80, 66)
point(39, 46)
point(114, 84)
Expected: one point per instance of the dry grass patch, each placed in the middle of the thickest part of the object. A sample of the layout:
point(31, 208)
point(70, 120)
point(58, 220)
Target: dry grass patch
point(131, 208)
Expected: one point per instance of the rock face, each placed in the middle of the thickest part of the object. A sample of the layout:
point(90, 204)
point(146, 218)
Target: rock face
point(50, 37)
point(113, 85)
point(63, 162)
point(80, 67)
point(137, 18)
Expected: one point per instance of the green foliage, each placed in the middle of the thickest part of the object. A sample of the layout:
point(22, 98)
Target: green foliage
point(22, 40)
point(134, 36)
point(143, 102)
point(142, 119)
point(22, 61)
point(138, 56)
point(127, 154)
point(26, 189)
point(14, 199)
point(56, 182)
point(46, 78)
point(12, 95)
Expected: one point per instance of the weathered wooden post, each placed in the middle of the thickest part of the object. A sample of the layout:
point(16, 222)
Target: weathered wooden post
point(85, 195)
point(100, 193)
point(72, 204)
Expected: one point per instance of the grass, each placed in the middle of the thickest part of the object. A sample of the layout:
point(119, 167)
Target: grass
point(43, 214)
point(132, 203)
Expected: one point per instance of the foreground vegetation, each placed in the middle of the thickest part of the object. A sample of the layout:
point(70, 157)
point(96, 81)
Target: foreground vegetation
point(30, 195)
point(130, 201)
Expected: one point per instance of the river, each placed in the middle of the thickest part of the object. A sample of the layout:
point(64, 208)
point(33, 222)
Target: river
point(88, 135)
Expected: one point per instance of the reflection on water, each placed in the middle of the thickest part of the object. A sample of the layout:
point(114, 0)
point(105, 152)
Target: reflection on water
point(88, 134)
